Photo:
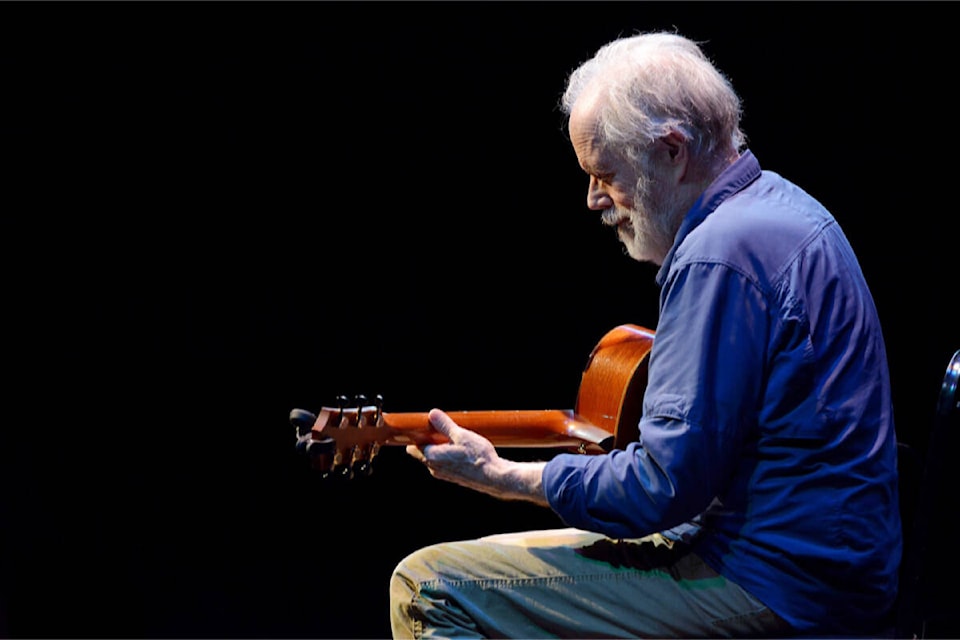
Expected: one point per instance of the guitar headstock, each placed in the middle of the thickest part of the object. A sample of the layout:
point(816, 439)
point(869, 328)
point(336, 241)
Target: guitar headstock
point(342, 440)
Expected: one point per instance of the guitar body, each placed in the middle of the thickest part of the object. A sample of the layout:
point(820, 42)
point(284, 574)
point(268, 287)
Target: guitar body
point(613, 382)
point(606, 415)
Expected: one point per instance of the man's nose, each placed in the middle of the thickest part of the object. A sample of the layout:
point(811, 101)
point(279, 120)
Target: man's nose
point(597, 196)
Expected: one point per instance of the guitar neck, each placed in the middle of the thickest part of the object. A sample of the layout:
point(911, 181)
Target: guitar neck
point(527, 428)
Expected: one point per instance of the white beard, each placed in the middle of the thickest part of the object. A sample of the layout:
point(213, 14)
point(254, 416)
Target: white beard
point(647, 230)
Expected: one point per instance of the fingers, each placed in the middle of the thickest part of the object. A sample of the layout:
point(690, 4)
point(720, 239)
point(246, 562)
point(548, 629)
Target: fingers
point(440, 422)
point(416, 452)
point(444, 424)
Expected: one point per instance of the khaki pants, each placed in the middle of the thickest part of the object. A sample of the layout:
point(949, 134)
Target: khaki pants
point(567, 583)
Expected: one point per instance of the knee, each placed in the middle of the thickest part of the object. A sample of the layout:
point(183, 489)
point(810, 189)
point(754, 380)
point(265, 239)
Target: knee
point(405, 582)
point(427, 566)
point(401, 583)
point(416, 568)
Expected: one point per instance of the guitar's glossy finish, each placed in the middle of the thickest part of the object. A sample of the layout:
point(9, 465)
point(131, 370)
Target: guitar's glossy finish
point(522, 428)
point(611, 389)
point(606, 415)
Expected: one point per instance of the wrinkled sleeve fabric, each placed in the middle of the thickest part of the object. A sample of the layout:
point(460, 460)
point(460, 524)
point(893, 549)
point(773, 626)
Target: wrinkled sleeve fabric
point(704, 372)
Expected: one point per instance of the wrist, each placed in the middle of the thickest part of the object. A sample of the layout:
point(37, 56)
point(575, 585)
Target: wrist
point(522, 481)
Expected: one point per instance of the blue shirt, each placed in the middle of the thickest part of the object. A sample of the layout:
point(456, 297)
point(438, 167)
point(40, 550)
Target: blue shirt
point(767, 414)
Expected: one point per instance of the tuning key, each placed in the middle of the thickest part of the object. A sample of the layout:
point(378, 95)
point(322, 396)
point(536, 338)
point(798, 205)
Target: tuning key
point(362, 468)
point(342, 401)
point(360, 402)
point(303, 420)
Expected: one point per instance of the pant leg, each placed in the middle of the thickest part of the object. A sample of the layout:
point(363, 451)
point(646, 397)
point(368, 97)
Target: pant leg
point(568, 583)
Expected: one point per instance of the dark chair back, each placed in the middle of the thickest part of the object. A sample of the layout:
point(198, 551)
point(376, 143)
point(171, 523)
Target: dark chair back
point(929, 485)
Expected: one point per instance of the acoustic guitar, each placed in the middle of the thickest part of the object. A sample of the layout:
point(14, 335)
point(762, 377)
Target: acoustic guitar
point(346, 439)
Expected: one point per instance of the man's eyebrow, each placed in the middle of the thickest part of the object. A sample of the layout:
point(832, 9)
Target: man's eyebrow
point(592, 168)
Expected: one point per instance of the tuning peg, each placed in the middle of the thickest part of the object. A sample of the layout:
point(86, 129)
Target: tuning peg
point(321, 453)
point(346, 469)
point(303, 421)
point(379, 402)
point(342, 401)
point(362, 468)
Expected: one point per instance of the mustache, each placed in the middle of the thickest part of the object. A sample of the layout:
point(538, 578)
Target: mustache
point(610, 217)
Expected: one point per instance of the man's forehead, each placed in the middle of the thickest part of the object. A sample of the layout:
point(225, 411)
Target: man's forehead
point(583, 126)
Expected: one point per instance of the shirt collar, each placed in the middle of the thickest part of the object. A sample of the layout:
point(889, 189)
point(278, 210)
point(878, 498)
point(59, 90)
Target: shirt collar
point(738, 175)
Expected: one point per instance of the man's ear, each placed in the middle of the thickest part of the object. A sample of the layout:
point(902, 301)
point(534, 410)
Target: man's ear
point(675, 152)
point(676, 145)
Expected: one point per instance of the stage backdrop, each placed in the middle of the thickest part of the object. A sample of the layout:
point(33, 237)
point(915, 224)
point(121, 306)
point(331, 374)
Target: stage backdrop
point(218, 212)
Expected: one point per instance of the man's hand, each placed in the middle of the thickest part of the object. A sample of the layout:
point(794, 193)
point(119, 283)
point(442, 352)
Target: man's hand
point(470, 460)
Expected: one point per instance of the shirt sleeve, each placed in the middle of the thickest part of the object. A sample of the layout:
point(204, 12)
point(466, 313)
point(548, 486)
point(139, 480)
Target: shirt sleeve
point(704, 387)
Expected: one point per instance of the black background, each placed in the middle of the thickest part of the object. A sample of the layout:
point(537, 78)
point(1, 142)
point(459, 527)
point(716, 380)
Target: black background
point(217, 212)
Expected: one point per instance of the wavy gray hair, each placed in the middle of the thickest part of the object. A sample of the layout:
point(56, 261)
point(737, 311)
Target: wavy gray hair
point(656, 83)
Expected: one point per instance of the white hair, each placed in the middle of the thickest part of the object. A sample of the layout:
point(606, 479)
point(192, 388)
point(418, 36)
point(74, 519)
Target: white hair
point(652, 84)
